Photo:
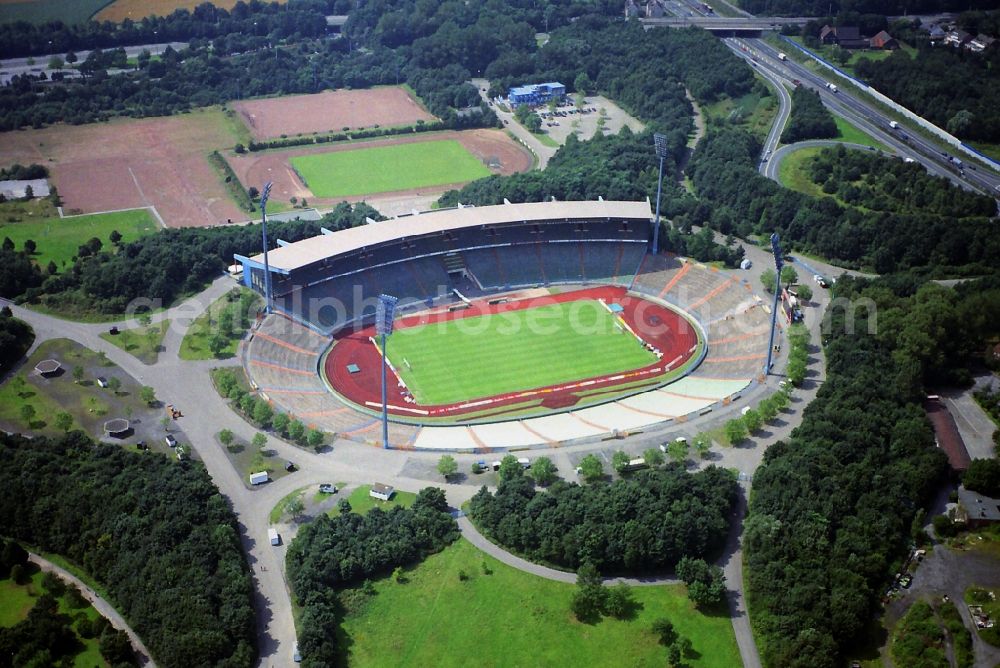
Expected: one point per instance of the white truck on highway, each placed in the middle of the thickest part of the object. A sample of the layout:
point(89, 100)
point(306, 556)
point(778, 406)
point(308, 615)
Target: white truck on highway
point(832, 87)
point(894, 125)
point(782, 56)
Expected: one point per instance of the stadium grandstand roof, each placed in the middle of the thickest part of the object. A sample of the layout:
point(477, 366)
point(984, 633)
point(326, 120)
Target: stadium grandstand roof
point(303, 253)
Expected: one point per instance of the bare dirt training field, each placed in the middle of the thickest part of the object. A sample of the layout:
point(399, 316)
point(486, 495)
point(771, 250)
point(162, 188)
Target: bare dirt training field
point(487, 145)
point(131, 163)
point(330, 111)
point(138, 9)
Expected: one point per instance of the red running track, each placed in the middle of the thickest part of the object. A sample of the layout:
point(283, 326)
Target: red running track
point(657, 325)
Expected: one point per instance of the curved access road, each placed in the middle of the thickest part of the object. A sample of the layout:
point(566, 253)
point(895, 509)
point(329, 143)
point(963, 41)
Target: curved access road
point(105, 609)
point(771, 167)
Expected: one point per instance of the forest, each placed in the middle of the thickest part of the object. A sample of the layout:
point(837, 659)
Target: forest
point(809, 118)
point(953, 88)
point(736, 199)
point(16, 336)
point(164, 266)
point(332, 552)
point(834, 509)
point(869, 180)
point(158, 536)
point(645, 523)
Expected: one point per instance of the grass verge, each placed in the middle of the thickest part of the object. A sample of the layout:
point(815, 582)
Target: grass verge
point(143, 343)
point(228, 318)
point(361, 501)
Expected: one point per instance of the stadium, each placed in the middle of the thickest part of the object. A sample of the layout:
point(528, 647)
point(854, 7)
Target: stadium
point(518, 325)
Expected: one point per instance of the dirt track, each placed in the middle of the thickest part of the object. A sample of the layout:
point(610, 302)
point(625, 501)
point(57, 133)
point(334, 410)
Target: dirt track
point(330, 111)
point(132, 163)
point(256, 168)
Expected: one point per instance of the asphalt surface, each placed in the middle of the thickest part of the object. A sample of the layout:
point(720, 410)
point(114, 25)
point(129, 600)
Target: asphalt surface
point(12, 67)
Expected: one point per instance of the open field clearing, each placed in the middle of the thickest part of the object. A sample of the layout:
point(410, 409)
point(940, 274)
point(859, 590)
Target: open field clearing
point(489, 146)
point(499, 616)
point(58, 239)
point(40, 11)
point(330, 111)
point(386, 168)
point(120, 10)
point(127, 164)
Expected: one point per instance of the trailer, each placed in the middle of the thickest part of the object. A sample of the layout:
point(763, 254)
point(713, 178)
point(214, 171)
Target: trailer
point(273, 537)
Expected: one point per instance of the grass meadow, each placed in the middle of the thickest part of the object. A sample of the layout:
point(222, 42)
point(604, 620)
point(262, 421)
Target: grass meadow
point(58, 239)
point(387, 168)
point(482, 356)
point(500, 616)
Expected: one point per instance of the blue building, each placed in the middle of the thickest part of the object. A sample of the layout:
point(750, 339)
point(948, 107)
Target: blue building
point(536, 94)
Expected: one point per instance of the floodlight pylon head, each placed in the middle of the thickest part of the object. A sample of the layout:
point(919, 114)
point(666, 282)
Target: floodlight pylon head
point(660, 144)
point(265, 194)
point(385, 312)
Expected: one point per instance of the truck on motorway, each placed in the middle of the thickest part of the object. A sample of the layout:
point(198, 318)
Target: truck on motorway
point(894, 125)
point(782, 56)
point(832, 87)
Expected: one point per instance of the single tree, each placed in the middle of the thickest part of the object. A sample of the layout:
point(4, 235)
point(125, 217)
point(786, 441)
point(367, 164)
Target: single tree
point(30, 246)
point(280, 422)
point(447, 466)
point(590, 596)
point(115, 237)
point(27, 413)
point(314, 438)
point(262, 412)
point(735, 431)
point(296, 430)
point(8, 244)
point(702, 445)
point(56, 63)
point(678, 450)
point(71, 57)
point(591, 468)
point(226, 437)
point(789, 276)
point(296, 506)
point(619, 461)
point(51, 269)
point(664, 628)
point(114, 384)
point(344, 506)
point(805, 292)
point(64, 421)
point(653, 457)
point(259, 440)
point(543, 471)
point(510, 468)
point(148, 395)
point(78, 373)
point(618, 601)
point(216, 344)
point(752, 421)
point(767, 280)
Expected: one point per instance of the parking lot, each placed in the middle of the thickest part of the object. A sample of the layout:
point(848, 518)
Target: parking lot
point(587, 120)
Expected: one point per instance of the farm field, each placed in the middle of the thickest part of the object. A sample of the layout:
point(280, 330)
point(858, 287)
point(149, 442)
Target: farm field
point(330, 111)
point(58, 239)
point(132, 163)
point(487, 145)
point(510, 618)
point(119, 10)
point(40, 11)
point(387, 168)
point(456, 360)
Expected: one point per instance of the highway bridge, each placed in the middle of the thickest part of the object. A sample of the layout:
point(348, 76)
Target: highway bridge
point(726, 25)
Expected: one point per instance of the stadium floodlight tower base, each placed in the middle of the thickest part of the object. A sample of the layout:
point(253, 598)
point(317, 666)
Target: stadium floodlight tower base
point(660, 144)
point(265, 193)
point(779, 262)
point(385, 311)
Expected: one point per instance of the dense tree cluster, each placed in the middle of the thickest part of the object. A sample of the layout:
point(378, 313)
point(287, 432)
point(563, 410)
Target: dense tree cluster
point(332, 552)
point(162, 266)
point(953, 88)
point(645, 523)
point(158, 536)
point(809, 118)
point(16, 336)
point(17, 172)
point(983, 476)
point(832, 509)
point(737, 199)
point(867, 179)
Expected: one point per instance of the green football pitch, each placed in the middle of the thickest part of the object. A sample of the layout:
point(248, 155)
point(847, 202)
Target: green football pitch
point(480, 356)
point(387, 168)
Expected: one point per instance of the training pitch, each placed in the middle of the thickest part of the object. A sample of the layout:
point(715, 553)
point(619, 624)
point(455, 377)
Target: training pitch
point(455, 360)
point(388, 168)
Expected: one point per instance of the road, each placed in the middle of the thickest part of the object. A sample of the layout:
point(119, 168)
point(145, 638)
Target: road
point(11, 67)
point(105, 609)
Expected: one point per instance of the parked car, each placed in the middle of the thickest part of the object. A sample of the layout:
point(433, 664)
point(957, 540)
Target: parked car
point(327, 488)
point(171, 441)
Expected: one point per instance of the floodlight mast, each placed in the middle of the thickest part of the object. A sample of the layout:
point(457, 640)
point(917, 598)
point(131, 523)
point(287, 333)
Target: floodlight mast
point(385, 311)
point(263, 231)
point(660, 144)
point(778, 264)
